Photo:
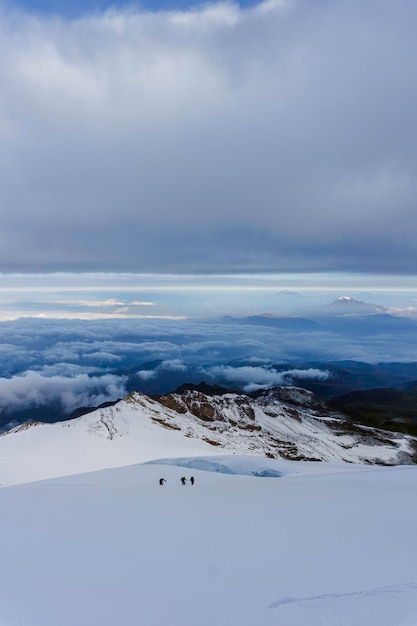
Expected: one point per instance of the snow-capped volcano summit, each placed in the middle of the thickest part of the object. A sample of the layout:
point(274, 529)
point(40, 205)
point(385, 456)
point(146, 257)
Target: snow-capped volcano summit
point(345, 305)
point(342, 307)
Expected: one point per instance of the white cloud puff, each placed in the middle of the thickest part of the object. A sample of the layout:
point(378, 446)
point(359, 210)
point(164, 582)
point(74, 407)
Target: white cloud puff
point(253, 378)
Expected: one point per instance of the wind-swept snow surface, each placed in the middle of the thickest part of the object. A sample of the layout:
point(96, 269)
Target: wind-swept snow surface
point(323, 544)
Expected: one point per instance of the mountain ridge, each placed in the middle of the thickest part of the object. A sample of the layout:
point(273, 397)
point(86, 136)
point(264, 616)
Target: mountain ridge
point(283, 422)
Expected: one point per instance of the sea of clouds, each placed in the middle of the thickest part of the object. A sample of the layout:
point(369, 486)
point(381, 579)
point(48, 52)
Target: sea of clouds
point(75, 363)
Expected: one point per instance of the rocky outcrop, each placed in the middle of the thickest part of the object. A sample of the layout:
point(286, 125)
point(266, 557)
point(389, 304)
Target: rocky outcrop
point(284, 422)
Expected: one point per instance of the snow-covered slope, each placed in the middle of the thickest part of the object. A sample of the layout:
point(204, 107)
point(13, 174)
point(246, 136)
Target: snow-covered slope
point(325, 544)
point(125, 433)
point(284, 422)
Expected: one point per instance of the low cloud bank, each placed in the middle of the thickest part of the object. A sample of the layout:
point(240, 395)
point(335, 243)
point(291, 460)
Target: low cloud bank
point(172, 365)
point(34, 389)
point(254, 378)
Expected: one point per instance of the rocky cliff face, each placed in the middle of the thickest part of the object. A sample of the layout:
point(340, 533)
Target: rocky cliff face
point(284, 422)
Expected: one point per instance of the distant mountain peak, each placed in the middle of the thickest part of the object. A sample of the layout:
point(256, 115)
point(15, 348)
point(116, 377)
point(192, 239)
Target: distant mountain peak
point(350, 306)
point(289, 292)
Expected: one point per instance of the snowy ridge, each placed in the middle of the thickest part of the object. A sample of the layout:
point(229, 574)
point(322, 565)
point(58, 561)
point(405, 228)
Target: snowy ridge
point(284, 423)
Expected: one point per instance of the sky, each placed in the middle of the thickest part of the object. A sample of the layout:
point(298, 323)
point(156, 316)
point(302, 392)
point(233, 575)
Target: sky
point(271, 137)
point(95, 296)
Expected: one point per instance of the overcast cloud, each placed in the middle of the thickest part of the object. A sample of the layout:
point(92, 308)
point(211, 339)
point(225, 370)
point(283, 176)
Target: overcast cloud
point(219, 139)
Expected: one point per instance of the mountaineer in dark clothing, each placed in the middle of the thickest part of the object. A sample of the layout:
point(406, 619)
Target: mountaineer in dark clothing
point(183, 480)
point(162, 481)
point(192, 480)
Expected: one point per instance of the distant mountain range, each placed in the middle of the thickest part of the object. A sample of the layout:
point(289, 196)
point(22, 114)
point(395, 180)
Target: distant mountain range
point(345, 315)
point(293, 324)
point(393, 409)
point(347, 376)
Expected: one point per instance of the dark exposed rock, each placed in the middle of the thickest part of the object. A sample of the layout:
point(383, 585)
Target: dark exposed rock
point(291, 409)
point(203, 387)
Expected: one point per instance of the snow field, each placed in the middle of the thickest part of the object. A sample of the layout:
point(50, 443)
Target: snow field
point(325, 544)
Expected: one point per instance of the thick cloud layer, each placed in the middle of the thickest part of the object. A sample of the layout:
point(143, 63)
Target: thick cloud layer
point(73, 363)
point(277, 137)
